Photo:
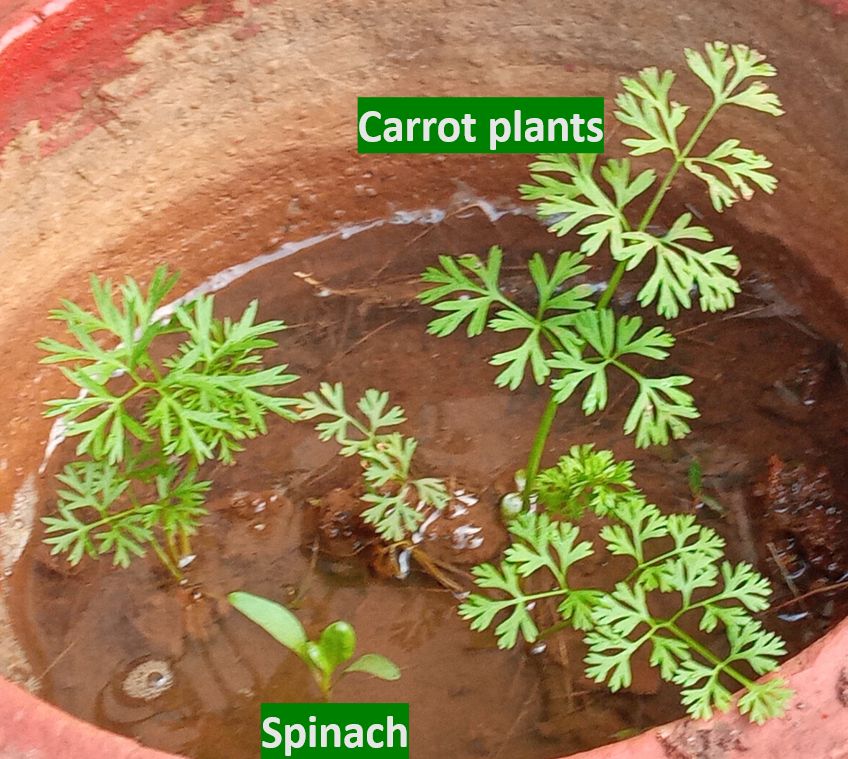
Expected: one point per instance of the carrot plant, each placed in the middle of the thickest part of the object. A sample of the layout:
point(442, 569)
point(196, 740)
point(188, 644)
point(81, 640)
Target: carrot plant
point(397, 499)
point(146, 422)
point(571, 342)
point(668, 555)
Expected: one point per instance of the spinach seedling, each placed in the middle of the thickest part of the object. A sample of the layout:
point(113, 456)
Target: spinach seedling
point(147, 422)
point(334, 647)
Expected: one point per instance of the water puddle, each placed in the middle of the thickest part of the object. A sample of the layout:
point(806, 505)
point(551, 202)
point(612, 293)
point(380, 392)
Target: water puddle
point(177, 669)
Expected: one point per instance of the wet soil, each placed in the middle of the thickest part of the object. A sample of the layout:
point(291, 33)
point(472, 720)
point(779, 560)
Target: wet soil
point(769, 389)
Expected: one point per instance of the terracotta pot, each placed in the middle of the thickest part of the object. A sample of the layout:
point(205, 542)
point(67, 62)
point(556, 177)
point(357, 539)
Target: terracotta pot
point(143, 131)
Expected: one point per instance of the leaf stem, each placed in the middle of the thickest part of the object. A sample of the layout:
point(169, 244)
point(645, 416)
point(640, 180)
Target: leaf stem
point(661, 558)
point(679, 160)
point(545, 423)
point(709, 655)
point(163, 557)
point(535, 459)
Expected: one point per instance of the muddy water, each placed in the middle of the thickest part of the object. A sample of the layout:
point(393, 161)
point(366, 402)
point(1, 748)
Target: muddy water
point(173, 667)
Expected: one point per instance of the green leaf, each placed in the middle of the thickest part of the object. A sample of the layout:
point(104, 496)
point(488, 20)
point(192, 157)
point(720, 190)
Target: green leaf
point(747, 586)
point(352, 434)
point(585, 479)
point(529, 352)
point(765, 700)
point(702, 691)
point(726, 68)
point(392, 514)
point(667, 653)
point(481, 610)
point(661, 411)
point(544, 543)
point(476, 284)
point(743, 169)
point(328, 401)
point(432, 491)
point(540, 544)
point(645, 105)
point(374, 406)
point(550, 324)
point(317, 659)
point(661, 408)
point(579, 203)
point(672, 554)
point(757, 647)
point(337, 643)
point(376, 666)
point(640, 522)
point(388, 459)
point(199, 402)
point(578, 608)
point(276, 620)
point(617, 615)
point(397, 498)
point(679, 269)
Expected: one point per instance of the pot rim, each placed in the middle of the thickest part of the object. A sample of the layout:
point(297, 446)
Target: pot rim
point(817, 718)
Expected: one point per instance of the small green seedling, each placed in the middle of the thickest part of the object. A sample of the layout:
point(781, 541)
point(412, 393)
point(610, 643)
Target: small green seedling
point(334, 647)
point(146, 421)
point(695, 475)
point(669, 555)
point(398, 499)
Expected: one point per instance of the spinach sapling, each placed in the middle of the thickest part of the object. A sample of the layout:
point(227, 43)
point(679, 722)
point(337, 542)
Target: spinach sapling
point(333, 648)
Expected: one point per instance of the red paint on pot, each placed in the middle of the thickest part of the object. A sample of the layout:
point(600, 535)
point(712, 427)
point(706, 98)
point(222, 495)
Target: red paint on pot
point(58, 54)
point(836, 7)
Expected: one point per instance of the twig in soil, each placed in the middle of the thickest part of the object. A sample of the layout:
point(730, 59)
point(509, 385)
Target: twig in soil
point(740, 315)
point(735, 505)
point(843, 365)
point(434, 568)
point(790, 583)
point(809, 594)
point(518, 718)
point(367, 336)
point(58, 658)
point(566, 665)
point(307, 578)
point(368, 294)
point(255, 676)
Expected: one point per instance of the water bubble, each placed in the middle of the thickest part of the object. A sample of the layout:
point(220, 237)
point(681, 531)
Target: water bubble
point(793, 616)
point(511, 505)
point(148, 680)
point(538, 648)
point(467, 536)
